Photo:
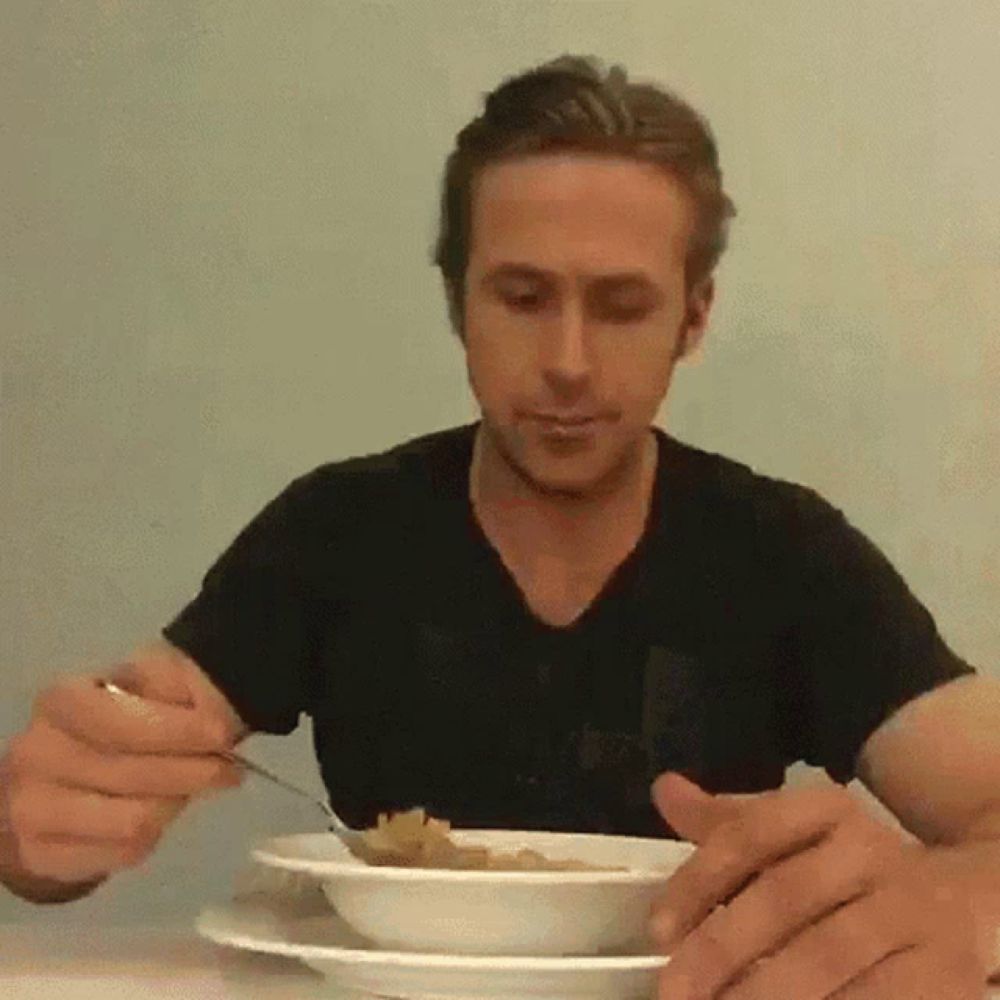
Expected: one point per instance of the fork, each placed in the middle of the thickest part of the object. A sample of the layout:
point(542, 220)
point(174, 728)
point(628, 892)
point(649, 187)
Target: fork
point(352, 839)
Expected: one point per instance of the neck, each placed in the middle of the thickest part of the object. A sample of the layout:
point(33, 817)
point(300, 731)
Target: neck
point(569, 526)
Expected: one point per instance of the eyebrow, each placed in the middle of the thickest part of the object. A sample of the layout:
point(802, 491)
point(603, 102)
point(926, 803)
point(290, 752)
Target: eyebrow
point(513, 269)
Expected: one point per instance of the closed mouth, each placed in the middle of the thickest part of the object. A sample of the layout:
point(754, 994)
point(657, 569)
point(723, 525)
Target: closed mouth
point(550, 418)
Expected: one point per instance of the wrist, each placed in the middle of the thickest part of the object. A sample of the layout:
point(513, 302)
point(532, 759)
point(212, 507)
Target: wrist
point(972, 868)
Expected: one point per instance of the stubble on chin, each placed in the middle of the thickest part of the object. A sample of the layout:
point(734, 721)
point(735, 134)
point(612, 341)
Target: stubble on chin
point(597, 475)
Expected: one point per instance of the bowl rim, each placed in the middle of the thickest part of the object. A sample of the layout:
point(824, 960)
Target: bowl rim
point(268, 852)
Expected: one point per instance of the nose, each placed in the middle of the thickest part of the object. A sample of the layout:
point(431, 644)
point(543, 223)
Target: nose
point(565, 351)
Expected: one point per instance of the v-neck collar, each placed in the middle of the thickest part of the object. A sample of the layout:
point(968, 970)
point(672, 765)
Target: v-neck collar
point(615, 586)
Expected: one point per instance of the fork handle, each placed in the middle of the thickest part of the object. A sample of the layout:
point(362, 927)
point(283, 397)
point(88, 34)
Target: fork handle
point(242, 761)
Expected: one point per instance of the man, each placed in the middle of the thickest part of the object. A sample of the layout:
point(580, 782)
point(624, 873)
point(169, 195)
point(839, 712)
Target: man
point(528, 621)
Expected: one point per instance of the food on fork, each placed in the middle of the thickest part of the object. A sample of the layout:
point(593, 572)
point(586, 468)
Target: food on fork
point(413, 839)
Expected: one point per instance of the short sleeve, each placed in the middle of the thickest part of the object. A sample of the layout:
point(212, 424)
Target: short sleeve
point(251, 625)
point(861, 645)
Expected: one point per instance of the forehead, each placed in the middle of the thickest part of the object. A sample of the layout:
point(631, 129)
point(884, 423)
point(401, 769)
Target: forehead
point(579, 212)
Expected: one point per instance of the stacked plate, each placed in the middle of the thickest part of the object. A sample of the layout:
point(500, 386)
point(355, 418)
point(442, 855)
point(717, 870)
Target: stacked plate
point(430, 934)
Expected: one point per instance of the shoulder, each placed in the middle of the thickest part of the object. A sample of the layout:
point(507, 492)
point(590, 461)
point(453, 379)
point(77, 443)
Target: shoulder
point(360, 486)
point(733, 492)
point(353, 503)
point(783, 528)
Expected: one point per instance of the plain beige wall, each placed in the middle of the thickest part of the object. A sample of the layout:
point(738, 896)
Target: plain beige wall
point(215, 235)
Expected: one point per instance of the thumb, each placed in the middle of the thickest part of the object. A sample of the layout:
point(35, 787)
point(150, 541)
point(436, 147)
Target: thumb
point(162, 672)
point(154, 678)
point(692, 812)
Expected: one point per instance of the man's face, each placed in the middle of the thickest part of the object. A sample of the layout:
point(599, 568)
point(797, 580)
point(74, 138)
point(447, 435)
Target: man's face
point(576, 312)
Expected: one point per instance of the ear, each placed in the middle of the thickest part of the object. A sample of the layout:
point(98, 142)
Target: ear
point(696, 317)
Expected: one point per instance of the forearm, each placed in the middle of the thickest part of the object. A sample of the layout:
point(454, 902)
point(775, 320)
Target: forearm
point(973, 867)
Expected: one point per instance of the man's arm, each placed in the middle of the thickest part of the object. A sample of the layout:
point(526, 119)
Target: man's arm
point(935, 764)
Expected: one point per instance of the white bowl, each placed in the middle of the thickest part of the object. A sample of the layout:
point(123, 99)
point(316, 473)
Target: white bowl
point(494, 912)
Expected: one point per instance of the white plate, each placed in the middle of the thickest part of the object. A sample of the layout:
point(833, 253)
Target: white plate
point(306, 929)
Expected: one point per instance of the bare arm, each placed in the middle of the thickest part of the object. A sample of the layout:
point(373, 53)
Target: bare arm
point(936, 765)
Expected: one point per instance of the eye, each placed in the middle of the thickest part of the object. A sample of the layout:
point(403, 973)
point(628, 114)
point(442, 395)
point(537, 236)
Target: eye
point(622, 305)
point(623, 314)
point(524, 301)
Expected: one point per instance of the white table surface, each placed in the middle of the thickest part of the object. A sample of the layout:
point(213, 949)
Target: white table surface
point(116, 963)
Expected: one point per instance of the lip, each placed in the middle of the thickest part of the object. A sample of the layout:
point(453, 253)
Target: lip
point(565, 420)
point(565, 430)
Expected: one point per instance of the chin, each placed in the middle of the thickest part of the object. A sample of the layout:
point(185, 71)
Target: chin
point(567, 469)
point(559, 484)
point(568, 477)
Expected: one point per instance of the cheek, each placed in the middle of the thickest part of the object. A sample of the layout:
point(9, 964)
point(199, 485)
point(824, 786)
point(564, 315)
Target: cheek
point(506, 355)
point(639, 375)
point(495, 375)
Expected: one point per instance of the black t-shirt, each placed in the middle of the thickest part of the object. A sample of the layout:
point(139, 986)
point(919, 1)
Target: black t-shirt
point(750, 628)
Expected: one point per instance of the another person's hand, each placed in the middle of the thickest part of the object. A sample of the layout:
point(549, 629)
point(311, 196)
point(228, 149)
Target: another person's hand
point(801, 893)
point(88, 787)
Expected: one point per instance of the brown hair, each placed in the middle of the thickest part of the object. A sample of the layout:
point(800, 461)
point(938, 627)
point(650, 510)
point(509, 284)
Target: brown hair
point(569, 104)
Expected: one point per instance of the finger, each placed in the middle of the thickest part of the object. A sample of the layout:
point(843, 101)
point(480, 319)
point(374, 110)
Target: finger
point(54, 756)
point(40, 809)
point(168, 686)
point(782, 901)
point(829, 954)
point(103, 721)
point(767, 829)
point(73, 860)
point(690, 811)
point(917, 974)
point(164, 672)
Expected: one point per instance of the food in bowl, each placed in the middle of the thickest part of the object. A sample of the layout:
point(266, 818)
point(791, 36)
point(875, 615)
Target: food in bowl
point(413, 839)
